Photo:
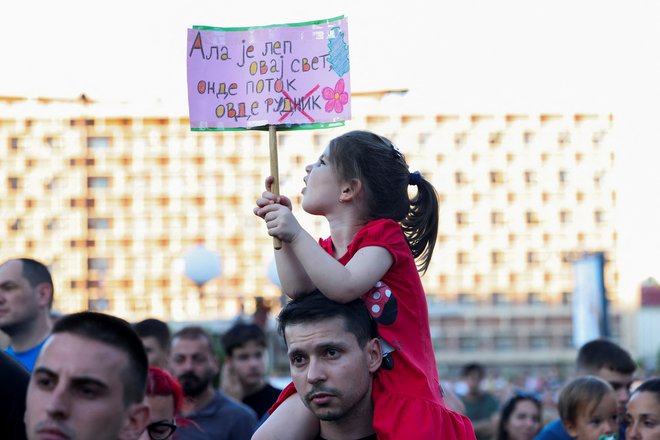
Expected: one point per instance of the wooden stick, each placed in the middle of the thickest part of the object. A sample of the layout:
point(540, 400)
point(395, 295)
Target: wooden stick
point(274, 171)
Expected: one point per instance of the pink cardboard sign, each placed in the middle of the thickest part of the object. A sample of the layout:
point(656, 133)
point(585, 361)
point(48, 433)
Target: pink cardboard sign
point(295, 75)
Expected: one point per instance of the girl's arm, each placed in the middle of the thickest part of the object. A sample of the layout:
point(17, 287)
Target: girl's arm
point(337, 282)
point(290, 421)
point(292, 275)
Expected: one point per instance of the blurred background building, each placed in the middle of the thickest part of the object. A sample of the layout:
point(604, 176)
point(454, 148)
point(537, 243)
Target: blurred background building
point(113, 197)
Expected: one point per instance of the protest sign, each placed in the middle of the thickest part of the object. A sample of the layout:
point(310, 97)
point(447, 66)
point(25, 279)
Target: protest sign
point(292, 76)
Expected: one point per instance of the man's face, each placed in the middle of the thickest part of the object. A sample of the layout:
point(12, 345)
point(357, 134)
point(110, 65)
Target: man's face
point(193, 364)
point(249, 364)
point(158, 356)
point(19, 302)
point(331, 372)
point(473, 381)
point(76, 392)
point(621, 384)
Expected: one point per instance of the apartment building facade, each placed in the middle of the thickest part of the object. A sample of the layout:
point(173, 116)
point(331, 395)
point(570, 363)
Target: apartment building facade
point(112, 198)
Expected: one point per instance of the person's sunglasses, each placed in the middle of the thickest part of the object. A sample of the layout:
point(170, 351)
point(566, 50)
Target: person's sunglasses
point(161, 430)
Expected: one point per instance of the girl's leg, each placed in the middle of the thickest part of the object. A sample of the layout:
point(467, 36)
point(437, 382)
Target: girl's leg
point(290, 421)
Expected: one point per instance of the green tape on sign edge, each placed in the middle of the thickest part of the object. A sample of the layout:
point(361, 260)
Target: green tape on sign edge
point(319, 125)
point(247, 28)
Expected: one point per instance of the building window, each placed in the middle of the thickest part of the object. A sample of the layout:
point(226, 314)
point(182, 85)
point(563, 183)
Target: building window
point(530, 178)
point(531, 218)
point(500, 299)
point(496, 258)
point(459, 178)
point(496, 178)
point(98, 142)
point(496, 218)
point(98, 223)
point(567, 298)
point(505, 343)
point(563, 176)
point(528, 137)
point(468, 343)
point(532, 258)
point(98, 182)
point(462, 258)
point(17, 225)
point(539, 342)
point(465, 298)
point(599, 216)
point(495, 139)
point(534, 298)
point(14, 183)
point(564, 138)
point(565, 217)
point(462, 218)
point(98, 263)
point(460, 139)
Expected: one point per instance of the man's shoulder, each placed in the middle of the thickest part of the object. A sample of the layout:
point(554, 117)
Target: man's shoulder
point(553, 431)
point(226, 406)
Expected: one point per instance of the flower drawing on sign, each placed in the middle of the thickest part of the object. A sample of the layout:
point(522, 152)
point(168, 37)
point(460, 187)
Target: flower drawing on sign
point(336, 98)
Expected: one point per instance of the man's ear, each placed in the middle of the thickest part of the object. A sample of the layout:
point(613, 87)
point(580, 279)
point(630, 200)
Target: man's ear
point(44, 294)
point(570, 428)
point(350, 190)
point(137, 419)
point(374, 354)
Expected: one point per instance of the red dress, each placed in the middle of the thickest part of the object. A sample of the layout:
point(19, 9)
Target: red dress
point(407, 399)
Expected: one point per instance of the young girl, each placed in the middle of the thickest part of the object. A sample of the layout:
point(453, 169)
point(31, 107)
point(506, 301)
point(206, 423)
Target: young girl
point(360, 185)
point(588, 409)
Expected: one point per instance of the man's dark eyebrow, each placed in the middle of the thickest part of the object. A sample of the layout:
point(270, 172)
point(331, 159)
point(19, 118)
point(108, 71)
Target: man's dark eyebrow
point(77, 381)
point(43, 370)
point(85, 380)
point(295, 353)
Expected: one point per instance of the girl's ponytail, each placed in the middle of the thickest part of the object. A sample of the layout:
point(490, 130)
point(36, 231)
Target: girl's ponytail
point(421, 224)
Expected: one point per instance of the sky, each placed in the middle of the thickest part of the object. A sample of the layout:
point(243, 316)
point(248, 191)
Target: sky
point(454, 56)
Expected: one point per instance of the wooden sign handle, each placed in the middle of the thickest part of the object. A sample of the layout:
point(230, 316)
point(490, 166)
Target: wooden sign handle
point(274, 171)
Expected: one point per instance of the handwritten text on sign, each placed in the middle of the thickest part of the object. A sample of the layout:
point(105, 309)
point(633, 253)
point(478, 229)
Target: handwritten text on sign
point(271, 75)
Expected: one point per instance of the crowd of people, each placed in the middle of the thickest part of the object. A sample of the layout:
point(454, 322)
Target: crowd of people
point(356, 333)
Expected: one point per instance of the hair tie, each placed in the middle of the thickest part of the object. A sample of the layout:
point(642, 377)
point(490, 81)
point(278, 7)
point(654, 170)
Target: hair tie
point(415, 178)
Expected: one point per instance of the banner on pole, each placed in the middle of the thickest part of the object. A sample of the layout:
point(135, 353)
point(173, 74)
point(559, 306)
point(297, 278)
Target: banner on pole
point(590, 317)
point(295, 76)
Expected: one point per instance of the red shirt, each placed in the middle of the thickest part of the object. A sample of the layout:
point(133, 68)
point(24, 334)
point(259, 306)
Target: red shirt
point(398, 303)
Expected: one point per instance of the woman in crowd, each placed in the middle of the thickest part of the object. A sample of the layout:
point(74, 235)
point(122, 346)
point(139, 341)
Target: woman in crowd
point(164, 397)
point(643, 412)
point(520, 418)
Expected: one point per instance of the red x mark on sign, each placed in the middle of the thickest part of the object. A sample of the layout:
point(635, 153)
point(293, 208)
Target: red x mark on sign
point(299, 105)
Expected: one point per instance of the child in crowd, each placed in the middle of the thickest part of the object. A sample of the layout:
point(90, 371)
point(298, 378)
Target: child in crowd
point(379, 239)
point(588, 409)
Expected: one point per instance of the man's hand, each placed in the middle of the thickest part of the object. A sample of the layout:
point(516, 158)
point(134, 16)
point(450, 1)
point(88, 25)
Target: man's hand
point(230, 383)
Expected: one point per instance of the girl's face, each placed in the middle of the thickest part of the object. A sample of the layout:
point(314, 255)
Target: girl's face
point(322, 189)
point(600, 420)
point(525, 421)
point(643, 417)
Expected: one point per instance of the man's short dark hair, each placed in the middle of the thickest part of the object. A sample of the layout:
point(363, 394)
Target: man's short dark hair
point(154, 328)
point(240, 334)
point(119, 334)
point(315, 307)
point(601, 353)
point(473, 367)
point(195, 332)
